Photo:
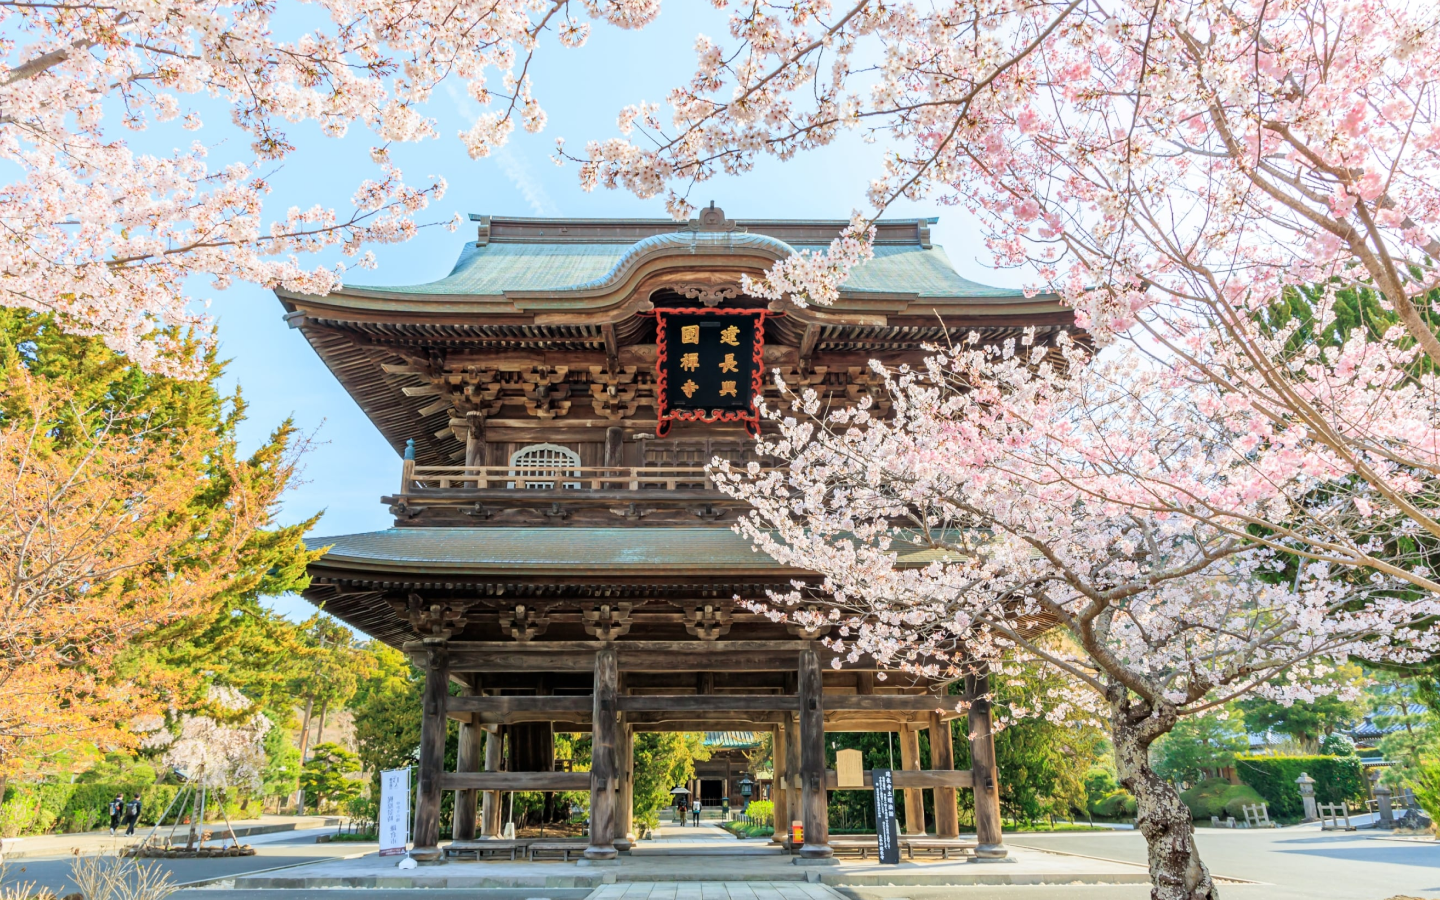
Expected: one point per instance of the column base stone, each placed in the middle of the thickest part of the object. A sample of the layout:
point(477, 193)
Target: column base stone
point(427, 856)
point(597, 861)
point(991, 853)
point(815, 860)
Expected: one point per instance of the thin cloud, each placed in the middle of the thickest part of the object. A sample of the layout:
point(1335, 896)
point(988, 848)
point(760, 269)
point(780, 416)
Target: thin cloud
point(515, 168)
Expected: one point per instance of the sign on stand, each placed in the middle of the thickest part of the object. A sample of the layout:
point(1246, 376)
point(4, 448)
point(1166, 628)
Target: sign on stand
point(887, 833)
point(394, 824)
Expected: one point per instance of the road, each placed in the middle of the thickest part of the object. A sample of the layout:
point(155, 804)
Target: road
point(1288, 864)
point(271, 850)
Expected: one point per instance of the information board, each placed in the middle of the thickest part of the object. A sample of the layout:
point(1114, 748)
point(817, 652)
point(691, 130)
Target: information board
point(887, 833)
point(394, 824)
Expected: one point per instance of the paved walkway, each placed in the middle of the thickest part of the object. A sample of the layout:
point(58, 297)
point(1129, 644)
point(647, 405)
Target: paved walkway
point(716, 890)
point(42, 846)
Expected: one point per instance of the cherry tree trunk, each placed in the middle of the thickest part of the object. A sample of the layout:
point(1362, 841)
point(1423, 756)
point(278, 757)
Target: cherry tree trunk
point(1176, 872)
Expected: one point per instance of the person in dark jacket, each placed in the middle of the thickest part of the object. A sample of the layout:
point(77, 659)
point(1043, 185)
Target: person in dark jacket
point(116, 809)
point(132, 815)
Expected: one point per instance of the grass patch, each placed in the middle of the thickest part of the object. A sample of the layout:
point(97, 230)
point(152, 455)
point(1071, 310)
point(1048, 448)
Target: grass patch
point(746, 830)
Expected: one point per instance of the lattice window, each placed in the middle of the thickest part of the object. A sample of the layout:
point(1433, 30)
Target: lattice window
point(544, 460)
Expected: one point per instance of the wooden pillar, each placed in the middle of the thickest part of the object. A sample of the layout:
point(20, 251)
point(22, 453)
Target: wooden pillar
point(474, 439)
point(494, 757)
point(467, 759)
point(792, 772)
point(432, 754)
point(812, 759)
point(625, 812)
point(990, 843)
point(779, 794)
point(914, 797)
point(602, 766)
point(942, 758)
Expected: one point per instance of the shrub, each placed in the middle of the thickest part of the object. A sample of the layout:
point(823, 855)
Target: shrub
point(42, 808)
point(1238, 797)
point(761, 812)
point(1337, 779)
point(1207, 798)
point(1118, 804)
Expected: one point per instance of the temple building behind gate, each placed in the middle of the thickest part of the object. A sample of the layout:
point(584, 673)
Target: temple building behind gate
point(558, 551)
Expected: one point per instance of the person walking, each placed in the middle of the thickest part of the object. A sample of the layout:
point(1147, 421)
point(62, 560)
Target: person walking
point(132, 815)
point(684, 808)
point(117, 808)
point(695, 809)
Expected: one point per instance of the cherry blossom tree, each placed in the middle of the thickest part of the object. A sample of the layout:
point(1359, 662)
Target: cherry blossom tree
point(104, 236)
point(1173, 170)
point(214, 752)
point(990, 457)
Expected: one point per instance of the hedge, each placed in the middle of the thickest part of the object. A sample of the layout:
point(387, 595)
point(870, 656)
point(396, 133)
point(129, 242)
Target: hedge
point(44, 807)
point(1337, 779)
point(1218, 797)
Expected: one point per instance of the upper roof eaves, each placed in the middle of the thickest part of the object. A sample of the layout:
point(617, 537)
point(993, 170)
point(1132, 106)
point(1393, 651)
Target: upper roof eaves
point(531, 255)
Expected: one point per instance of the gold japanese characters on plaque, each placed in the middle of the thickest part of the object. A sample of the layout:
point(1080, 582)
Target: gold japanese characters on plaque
point(709, 365)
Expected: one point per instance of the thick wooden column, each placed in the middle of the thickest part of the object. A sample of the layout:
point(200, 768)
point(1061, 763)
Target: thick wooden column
point(432, 754)
point(625, 811)
point(812, 759)
point(467, 759)
point(779, 793)
point(491, 806)
point(990, 843)
point(942, 758)
point(914, 797)
point(603, 742)
point(792, 774)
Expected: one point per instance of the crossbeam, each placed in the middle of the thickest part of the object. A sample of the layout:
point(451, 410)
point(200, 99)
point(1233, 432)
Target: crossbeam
point(929, 778)
point(516, 781)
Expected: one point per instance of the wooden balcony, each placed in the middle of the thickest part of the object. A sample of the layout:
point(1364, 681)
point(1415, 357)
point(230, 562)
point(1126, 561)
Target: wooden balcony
point(626, 492)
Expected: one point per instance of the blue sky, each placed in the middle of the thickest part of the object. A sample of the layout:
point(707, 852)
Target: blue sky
point(582, 90)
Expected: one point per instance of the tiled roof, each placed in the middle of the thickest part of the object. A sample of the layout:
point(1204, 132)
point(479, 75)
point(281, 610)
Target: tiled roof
point(577, 550)
point(732, 740)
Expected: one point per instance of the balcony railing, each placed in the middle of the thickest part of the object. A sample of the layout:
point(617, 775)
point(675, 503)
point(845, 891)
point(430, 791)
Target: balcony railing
point(565, 477)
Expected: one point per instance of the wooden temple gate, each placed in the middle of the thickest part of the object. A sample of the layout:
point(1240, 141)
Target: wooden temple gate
point(559, 551)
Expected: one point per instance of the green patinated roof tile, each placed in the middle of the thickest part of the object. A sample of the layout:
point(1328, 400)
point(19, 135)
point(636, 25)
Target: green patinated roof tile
point(578, 550)
point(494, 269)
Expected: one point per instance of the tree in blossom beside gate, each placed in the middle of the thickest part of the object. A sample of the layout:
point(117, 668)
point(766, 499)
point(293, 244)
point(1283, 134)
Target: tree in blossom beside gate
point(1006, 464)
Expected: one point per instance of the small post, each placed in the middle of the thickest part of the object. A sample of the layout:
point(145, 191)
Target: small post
point(779, 793)
point(1307, 796)
point(491, 805)
point(1386, 817)
point(467, 759)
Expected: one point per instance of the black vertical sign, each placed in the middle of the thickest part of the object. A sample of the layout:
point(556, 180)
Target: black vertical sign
point(887, 833)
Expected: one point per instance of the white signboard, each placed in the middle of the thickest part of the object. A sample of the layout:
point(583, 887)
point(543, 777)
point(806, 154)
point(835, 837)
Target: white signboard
point(394, 811)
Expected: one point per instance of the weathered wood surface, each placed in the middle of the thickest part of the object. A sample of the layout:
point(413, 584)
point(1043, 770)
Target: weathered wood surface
point(490, 808)
point(778, 794)
point(648, 656)
point(942, 758)
point(603, 741)
point(812, 757)
point(432, 756)
point(916, 780)
point(517, 781)
point(579, 703)
point(982, 764)
point(467, 759)
point(914, 800)
point(721, 703)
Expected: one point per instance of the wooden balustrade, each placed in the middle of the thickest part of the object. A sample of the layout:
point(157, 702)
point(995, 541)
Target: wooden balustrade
point(591, 478)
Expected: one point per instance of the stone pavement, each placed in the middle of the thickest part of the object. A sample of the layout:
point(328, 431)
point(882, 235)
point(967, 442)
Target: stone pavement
point(716, 890)
point(59, 845)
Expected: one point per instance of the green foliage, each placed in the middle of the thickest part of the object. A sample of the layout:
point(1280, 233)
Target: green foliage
point(1307, 722)
point(662, 760)
point(1218, 797)
point(761, 812)
point(1426, 786)
point(323, 776)
point(47, 807)
point(119, 768)
point(386, 708)
point(1337, 779)
point(281, 775)
point(1118, 804)
point(1198, 746)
